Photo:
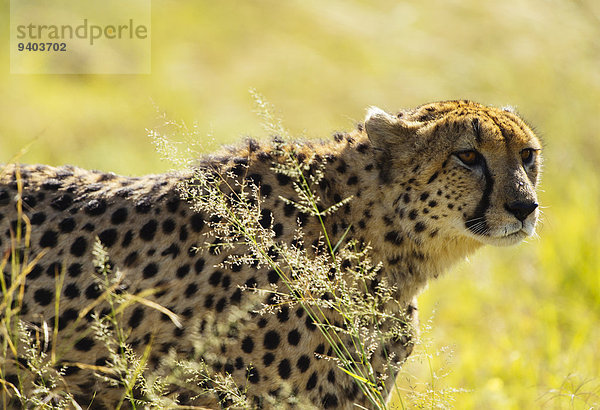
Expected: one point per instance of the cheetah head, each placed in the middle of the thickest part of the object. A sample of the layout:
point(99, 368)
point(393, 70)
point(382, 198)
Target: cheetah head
point(473, 168)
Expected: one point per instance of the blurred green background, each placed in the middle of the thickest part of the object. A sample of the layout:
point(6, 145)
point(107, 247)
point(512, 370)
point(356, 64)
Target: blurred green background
point(514, 327)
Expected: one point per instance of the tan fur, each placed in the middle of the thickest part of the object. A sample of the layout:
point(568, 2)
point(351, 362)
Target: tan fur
point(412, 198)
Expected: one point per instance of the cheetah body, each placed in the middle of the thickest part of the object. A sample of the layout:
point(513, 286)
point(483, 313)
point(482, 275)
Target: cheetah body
point(414, 200)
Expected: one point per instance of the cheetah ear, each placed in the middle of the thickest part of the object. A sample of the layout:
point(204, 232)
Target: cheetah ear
point(386, 131)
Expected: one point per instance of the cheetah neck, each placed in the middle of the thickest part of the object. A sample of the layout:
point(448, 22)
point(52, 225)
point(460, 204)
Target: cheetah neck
point(412, 248)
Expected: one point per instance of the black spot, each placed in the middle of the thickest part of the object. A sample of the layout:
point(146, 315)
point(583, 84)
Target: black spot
point(191, 290)
point(150, 270)
point(85, 345)
point(4, 197)
point(35, 272)
point(188, 313)
point(148, 230)
point(88, 227)
point(310, 325)
point(268, 359)
point(226, 282)
point(93, 291)
point(284, 369)
point(265, 190)
point(183, 233)
point(49, 239)
point(273, 276)
point(302, 218)
point(131, 259)
point(342, 167)
point(136, 317)
point(283, 179)
point(320, 349)
point(54, 269)
point(71, 291)
point(254, 179)
point(143, 206)
point(79, 246)
point(271, 340)
point(278, 229)
point(43, 296)
point(424, 196)
point(330, 400)
point(353, 180)
point(168, 225)
point(61, 202)
point(182, 271)
point(66, 225)
point(284, 314)
point(173, 204)
point(172, 250)
point(38, 218)
point(124, 192)
point(74, 270)
point(127, 239)
point(289, 209)
point(432, 204)
point(362, 147)
point(239, 363)
point(119, 216)
point(294, 337)
point(215, 278)
point(199, 265)
point(312, 381)
point(208, 302)
point(251, 283)
point(228, 368)
point(197, 222)
point(51, 184)
point(248, 344)
point(221, 304)
point(237, 296)
point(394, 237)
point(420, 227)
point(331, 377)
point(252, 375)
point(303, 363)
point(413, 214)
point(95, 207)
point(266, 218)
point(272, 299)
point(108, 237)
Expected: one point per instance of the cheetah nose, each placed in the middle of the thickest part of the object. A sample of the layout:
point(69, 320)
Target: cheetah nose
point(521, 209)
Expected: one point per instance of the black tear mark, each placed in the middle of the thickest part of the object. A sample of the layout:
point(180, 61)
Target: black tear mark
point(477, 223)
point(476, 129)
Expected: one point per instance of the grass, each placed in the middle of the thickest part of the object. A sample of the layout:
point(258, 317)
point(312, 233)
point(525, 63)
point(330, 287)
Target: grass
point(522, 322)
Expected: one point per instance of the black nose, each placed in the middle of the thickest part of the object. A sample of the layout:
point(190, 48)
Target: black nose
point(521, 209)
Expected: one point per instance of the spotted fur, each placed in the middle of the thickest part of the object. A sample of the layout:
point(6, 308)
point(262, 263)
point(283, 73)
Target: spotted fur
point(418, 205)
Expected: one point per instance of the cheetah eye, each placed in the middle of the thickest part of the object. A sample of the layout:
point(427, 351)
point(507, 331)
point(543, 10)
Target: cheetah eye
point(469, 158)
point(527, 156)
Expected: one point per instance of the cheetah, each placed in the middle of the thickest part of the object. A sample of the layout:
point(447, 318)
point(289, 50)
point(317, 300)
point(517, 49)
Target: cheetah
point(422, 188)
